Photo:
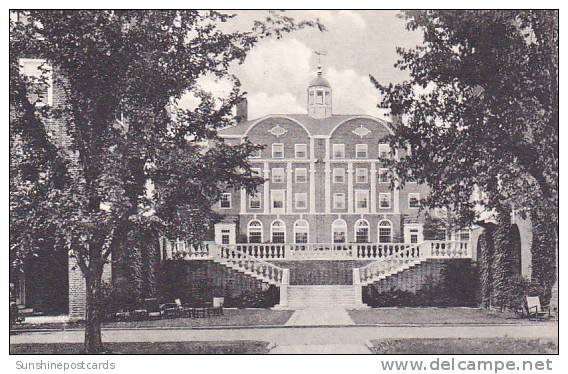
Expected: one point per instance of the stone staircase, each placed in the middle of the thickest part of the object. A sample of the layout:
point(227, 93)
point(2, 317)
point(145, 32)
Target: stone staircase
point(323, 297)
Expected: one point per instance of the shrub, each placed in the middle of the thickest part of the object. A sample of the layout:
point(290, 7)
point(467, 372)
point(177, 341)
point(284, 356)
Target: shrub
point(503, 266)
point(457, 286)
point(543, 251)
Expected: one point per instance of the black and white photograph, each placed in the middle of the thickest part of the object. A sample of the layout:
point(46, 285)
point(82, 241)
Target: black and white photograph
point(286, 182)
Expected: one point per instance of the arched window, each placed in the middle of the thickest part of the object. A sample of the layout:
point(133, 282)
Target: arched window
point(339, 231)
point(255, 231)
point(385, 231)
point(301, 229)
point(362, 231)
point(278, 231)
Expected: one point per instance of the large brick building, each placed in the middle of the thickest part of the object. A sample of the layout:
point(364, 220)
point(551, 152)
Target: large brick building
point(325, 182)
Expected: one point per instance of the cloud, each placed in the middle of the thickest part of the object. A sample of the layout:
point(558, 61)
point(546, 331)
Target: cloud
point(353, 93)
point(261, 104)
point(277, 66)
point(344, 18)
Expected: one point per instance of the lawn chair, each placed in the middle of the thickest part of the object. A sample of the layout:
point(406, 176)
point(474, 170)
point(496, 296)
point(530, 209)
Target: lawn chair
point(184, 310)
point(153, 308)
point(535, 310)
point(170, 310)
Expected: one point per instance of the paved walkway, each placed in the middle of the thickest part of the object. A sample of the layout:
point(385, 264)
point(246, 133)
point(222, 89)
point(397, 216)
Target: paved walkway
point(347, 339)
point(320, 317)
point(320, 349)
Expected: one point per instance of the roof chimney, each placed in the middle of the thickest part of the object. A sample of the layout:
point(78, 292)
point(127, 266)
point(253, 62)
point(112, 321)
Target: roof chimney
point(242, 110)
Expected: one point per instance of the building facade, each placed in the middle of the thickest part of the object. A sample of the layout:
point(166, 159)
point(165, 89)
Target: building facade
point(324, 180)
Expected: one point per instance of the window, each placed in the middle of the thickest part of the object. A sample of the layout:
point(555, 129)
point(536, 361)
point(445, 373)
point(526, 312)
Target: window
point(301, 229)
point(385, 231)
point(339, 201)
point(277, 201)
point(301, 200)
point(255, 232)
point(464, 235)
point(328, 97)
point(301, 151)
point(319, 97)
point(278, 175)
point(361, 151)
point(361, 175)
point(225, 200)
point(339, 231)
point(254, 201)
point(362, 231)
point(413, 236)
point(338, 175)
point(39, 92)
point(277, 150)
point(384, 175)
point(414, 200)
point(301, 175)
point(361, 200)
point(225, 235)
point(384, 150)
point(312, 93)
point(255, 154)
point(278, 230)
point(339, 151)
point(384, 201)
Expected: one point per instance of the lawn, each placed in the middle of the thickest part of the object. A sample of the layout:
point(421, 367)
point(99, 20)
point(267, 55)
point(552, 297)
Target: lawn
point(465, 346)
point(205, 347)
point(231, 317)
point(430, 316)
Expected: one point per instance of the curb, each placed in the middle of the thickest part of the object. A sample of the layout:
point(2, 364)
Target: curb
point(174, 328)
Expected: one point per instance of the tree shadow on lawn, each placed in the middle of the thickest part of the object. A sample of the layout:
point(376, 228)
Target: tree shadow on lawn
point(432, 315)
point(197, 347)
point(231, 317)
point(465, 346)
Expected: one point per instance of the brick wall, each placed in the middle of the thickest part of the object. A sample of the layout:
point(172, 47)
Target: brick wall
point(412, 279)
point(198, 281)
point(321, 272)
point(77, 288)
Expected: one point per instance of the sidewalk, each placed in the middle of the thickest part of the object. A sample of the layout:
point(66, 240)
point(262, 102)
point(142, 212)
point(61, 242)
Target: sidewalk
point(320, 317)
point(298, 336)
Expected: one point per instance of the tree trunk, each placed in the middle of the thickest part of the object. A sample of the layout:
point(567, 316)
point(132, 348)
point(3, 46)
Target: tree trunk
point(93, 339)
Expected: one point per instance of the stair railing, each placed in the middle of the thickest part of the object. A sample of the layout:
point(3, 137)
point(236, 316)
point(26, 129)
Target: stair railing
point(387, 265)
point(407, 255)
point(245, 262)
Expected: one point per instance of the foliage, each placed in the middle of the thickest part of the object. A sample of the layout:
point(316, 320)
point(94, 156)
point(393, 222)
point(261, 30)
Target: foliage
point(134, 159)
point(434, 228)
point(503, 261)
point(543, 251)
point(485, 241)
point(480, 110)
point(194, 285)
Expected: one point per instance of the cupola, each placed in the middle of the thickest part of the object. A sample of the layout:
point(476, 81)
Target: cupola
point(319, 97)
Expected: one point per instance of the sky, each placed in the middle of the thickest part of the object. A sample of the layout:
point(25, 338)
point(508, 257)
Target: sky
point(276, 73)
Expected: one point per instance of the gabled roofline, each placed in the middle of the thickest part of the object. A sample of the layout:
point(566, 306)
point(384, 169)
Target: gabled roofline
point(382, 122)
point(276, 116)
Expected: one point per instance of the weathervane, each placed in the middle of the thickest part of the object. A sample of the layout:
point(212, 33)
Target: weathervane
point(320, 53)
